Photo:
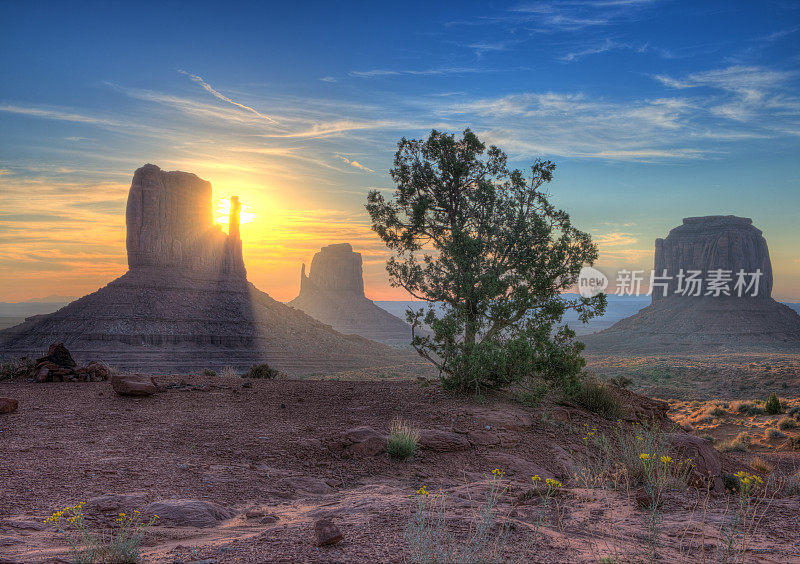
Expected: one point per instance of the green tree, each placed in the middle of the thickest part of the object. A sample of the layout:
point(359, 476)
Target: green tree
point(484, 246)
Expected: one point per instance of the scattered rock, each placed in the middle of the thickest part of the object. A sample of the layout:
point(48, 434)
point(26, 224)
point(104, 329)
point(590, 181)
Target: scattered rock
point(441, 441)
point(188, 512)
point(364, 441)
point(326, 532)
point(8, 405)
point(133, 385)
point(58, 355)
point(707, 466)
point(59, 366)
point(254, 512)
point(114, 503)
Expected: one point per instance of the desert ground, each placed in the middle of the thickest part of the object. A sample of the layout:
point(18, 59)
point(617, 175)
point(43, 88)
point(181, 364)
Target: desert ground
point(241, 470)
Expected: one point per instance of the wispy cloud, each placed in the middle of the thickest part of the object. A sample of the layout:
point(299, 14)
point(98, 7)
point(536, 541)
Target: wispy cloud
point(58, 115)
point(355, 164)
point(208, 88)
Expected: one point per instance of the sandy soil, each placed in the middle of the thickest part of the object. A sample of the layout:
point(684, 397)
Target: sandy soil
point(276, 449)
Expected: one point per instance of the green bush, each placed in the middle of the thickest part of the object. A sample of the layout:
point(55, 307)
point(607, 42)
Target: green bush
point(402, 441)
point(20, 368)
point(755, 410)
point(787, 423)
point(209, 372)
point(718, 412)
point(261, 371)
point(533, 395)
point(773, 405)
point(598, 397)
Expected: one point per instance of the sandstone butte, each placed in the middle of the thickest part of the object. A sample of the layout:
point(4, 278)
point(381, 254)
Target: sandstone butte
point(185, 302)
point(678, 323)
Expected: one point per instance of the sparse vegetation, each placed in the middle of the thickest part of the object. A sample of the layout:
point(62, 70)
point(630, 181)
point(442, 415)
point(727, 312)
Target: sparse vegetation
point(741, 443)
point(773, 405)
point(531, 394)
point(18, 368)
point(261, 371)
point(597, 397)
point(208, 372)
point(773, 433)
point(787, 423)
point(743, 407)
point(228, 372)
point(760, 465)
point(718, 412)
point(403, 440)
point(118, 546)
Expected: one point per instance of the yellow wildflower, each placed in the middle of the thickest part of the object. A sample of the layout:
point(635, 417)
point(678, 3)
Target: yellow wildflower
point(536, 478)
point(553, 483)
point(666, 459)
point(644, 456)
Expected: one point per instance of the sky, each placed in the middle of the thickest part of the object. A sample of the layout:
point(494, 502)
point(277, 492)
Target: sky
point(652, 110)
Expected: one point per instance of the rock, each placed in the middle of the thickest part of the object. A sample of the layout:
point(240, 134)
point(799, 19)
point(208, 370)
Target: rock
point(97, 372)
point(333, 292)
point(309, 485)
point(133, 385)
point(170, 224)
point(326, 532)
point(705, 459)
point(363, 440)
point(188, 512)
point(441, 441)
point(8, 405)
point(269, 519)
point(482, 437)
point(564, 462)
point(702, 319)
point(713, 242)
point(114, 503)
point(58, 355)
point(507, 418)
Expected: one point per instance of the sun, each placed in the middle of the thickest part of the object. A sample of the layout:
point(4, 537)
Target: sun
point(224, 209)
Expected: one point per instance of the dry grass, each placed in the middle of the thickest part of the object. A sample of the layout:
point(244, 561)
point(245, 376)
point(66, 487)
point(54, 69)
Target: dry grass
point(761, 465)
point(402, 441)
point(740, 444)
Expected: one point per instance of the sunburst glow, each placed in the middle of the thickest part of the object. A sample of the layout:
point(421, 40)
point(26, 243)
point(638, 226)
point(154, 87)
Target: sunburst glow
point(224, 209)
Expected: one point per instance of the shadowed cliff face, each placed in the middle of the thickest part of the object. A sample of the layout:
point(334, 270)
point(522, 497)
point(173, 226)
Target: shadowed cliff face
point(685, 323)
point(710, 243)
point(335, 268)
point(170, 223)
point(333, 292)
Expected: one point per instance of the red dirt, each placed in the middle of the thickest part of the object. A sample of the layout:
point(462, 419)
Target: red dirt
point(268, 446)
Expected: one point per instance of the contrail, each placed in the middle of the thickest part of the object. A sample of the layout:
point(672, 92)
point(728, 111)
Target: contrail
point(216, 94)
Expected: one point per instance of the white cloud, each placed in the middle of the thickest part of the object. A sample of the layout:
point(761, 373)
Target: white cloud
point(57, 115)
point(207, 87)
point(355, 164)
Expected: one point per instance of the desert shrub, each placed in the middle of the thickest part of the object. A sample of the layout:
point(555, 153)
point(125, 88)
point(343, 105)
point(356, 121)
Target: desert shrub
point(402, 441)
point(228, 372)
point(794, 443)
point(755, 410)
point(531, 395)
point(621, 382)
point(743, 407)
point(791, 486)
point(261, 371)
point(710, 438)
point(597, 397)
point(794, 411)
point(773, 405)
point(634, 455)
point(787, 423)
point(761, 465)
point(120, 545)
point(741, 443)
point(773, 433)
point(19, 368)
point(209, 372)
point(428, 539)
point(718, 412)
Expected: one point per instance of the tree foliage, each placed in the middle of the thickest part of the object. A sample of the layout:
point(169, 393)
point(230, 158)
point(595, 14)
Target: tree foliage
point(485, 247)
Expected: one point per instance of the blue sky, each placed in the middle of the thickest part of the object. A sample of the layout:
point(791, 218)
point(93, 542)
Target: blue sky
point(653, 111)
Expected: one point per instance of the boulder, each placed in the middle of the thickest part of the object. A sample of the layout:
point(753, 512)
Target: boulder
point(113, 504)
point(442, 441)
point(326, 532)
point(59, 356)
point(707, 467)
point(133, 385)
point(363, 440)
point(8, 405)
point(188, 512)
